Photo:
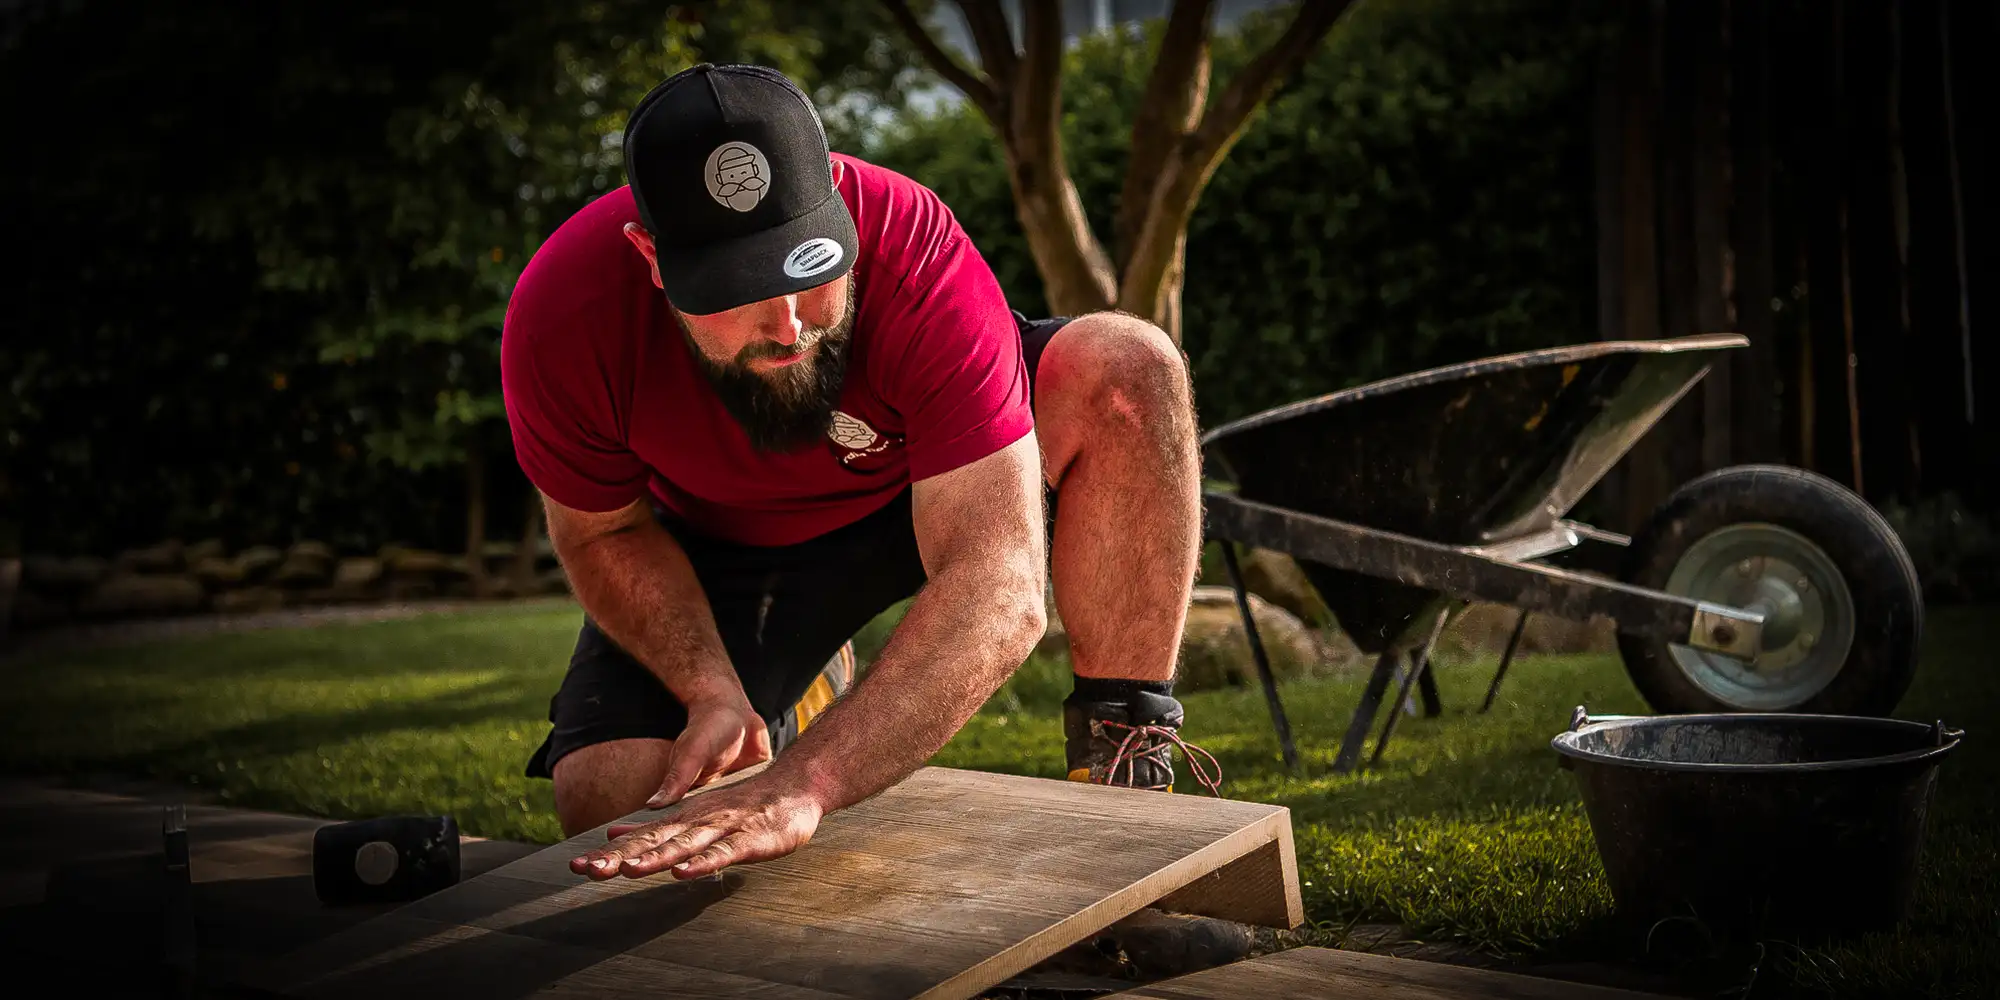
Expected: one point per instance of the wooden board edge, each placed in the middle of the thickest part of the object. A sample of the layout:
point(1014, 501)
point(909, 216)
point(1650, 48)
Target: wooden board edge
point(1118, 905)
point(1261, 887)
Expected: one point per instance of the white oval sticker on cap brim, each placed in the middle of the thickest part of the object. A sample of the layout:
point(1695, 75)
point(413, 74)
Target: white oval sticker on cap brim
point(814, 256)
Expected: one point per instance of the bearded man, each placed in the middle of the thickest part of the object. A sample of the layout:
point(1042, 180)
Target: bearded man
point(767, 392)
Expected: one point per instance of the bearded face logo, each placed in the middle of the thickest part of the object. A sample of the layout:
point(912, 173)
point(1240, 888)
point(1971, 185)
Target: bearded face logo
point(850, 433)
point(857, 445)
point(737, 175)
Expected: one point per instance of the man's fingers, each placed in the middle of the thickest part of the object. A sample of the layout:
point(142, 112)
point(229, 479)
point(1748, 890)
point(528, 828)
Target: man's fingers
point(618, 830)
point(672, 851)
point(604, 862)
point(682, 772)
point(717, 856)
point(693, 756)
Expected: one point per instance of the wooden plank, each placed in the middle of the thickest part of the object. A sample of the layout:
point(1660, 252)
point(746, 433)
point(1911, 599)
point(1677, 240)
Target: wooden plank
point(943, 886)
point(1315, 973)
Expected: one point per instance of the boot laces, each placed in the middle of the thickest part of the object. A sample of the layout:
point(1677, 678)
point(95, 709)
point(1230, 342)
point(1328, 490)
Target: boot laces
point(1156, 743)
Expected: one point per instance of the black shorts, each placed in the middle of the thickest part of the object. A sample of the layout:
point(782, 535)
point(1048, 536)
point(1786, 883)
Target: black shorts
point(783, 612)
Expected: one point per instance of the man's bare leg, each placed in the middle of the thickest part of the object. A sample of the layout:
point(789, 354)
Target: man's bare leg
point(604, 781)
point(1115, 416)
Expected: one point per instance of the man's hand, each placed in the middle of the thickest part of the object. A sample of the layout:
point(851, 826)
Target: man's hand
point(756, 820)
point(723, 736)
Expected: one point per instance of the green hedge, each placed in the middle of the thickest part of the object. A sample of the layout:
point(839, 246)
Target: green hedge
point(1418, 195)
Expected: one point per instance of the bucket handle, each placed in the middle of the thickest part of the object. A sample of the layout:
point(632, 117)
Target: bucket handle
point(1942, 734)
point(1581, 717)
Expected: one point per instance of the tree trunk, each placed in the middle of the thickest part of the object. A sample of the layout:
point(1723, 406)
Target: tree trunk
point(531, 539)
point(1076, 273)
point(1169, 298)
point(1151, 284)
point(475, 519)
point(1177, 141)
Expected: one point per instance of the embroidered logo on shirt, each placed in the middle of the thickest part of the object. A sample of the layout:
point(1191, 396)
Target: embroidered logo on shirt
point(738, 175)
point(812, 257)
point(858, 446)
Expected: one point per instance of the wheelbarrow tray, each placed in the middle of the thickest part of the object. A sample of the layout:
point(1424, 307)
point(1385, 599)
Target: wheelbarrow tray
point(1454, 480)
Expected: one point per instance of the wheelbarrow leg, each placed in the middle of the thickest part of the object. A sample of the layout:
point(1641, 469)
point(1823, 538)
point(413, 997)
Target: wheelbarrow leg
point(1427, 680)
point(1264, 675)
point(1513, 643)
point(1427, 688)
point(1420, 667)
point(1364, 713)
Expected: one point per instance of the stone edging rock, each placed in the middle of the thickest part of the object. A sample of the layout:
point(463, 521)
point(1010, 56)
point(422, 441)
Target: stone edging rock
point(68, 638)
point(173, 579)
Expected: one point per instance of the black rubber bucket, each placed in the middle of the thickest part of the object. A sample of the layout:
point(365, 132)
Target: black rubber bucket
point(1758, 824)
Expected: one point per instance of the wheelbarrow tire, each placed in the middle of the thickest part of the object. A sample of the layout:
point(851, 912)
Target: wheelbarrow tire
point(1886, 598)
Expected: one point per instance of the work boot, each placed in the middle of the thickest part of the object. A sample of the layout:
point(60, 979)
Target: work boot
point(1129, 742)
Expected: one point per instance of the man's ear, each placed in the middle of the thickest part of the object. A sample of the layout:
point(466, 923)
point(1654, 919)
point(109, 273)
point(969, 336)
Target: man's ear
point(643, 240)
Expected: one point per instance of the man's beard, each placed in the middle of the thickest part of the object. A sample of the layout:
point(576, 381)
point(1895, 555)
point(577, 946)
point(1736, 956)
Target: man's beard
point(793, 406)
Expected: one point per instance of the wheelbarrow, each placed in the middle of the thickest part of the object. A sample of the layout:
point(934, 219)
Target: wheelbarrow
point(1755, 588)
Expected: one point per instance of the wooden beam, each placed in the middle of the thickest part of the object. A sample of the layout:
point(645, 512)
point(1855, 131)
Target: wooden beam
point(1710, 203)
point(1821, 170)
point(1316, 973)
point(1757, 390)
point(1640, 481)
point(1673, 448)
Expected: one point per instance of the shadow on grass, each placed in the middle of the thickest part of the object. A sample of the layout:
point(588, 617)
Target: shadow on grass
point(302, 731)
point(179, 704)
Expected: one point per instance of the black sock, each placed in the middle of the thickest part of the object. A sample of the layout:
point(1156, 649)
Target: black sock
point(1110, 689)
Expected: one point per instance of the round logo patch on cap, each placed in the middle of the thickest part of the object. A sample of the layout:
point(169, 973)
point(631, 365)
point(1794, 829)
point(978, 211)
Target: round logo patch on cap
point(812, 257)
point(737, 175)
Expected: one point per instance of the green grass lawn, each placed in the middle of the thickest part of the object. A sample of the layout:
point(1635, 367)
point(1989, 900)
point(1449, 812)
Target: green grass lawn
point(1468, 831)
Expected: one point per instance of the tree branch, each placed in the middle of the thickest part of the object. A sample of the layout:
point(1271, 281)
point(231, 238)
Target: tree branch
point(1155, 251)
point(1254, 85)
point(994, 40)
point(1170, 109)
point(1038, 90)
point(1076, 272)
point(975, 88)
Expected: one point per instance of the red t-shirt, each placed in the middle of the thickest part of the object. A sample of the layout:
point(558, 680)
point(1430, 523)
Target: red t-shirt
point(606, 403)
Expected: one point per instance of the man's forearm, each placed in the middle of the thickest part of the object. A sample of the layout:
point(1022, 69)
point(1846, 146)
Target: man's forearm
point(964, 635)
point(639, 587)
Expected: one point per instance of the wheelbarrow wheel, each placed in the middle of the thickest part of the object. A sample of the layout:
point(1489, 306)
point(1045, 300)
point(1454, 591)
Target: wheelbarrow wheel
point(1843, 609)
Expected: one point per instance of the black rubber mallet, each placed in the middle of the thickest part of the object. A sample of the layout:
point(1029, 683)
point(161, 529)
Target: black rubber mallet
point(387, 860)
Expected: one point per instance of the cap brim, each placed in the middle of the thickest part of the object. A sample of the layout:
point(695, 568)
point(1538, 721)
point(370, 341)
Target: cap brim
point(723, 276)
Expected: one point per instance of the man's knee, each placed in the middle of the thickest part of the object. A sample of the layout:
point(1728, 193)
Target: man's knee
point(601, 782)
point(1119, 369)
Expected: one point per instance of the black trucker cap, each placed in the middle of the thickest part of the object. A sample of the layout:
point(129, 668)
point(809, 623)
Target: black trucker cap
point(729, 167)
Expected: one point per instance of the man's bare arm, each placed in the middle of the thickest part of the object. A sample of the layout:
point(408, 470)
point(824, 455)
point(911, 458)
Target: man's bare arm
point(633, 579)
point(637, 584)
point(980, 531)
